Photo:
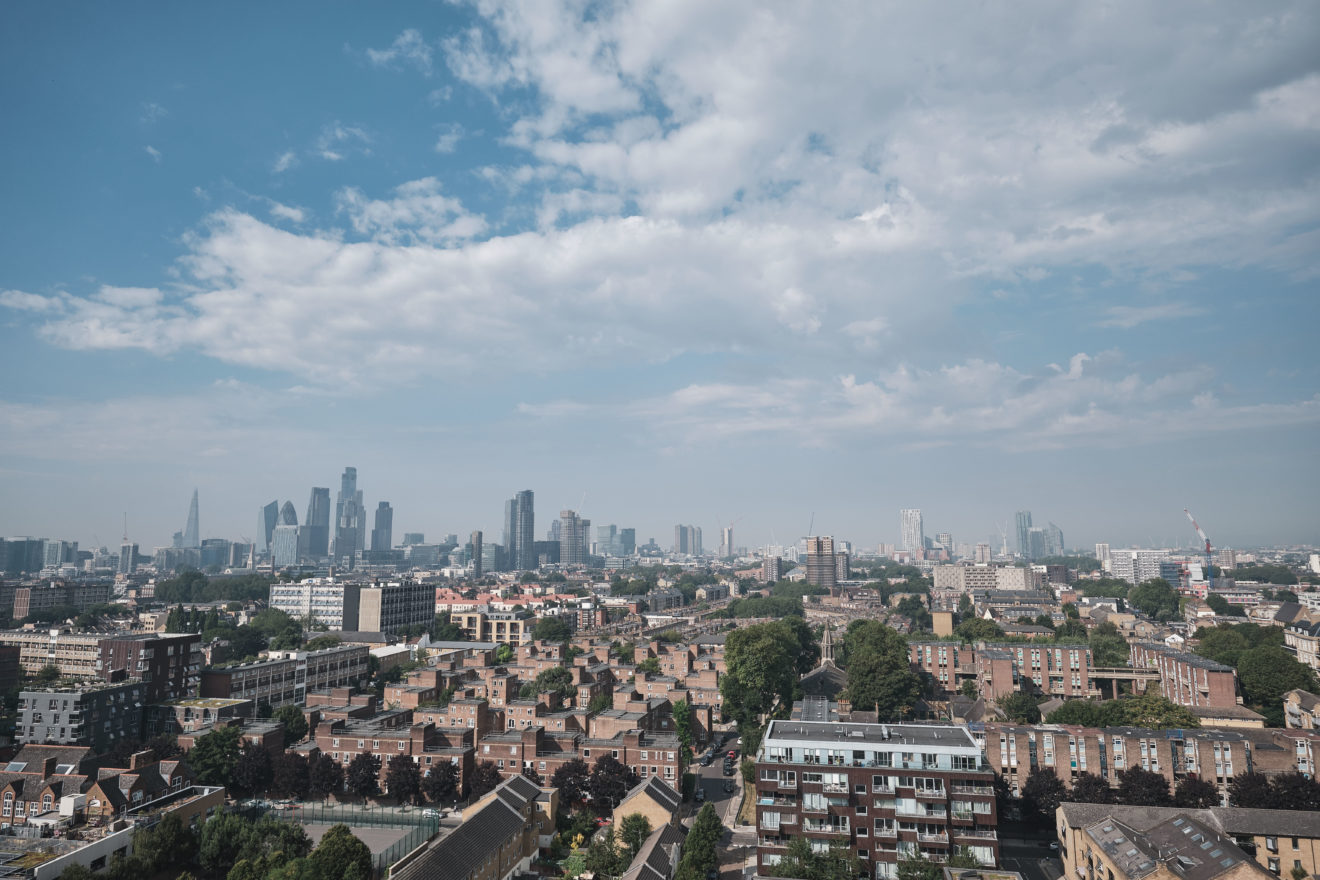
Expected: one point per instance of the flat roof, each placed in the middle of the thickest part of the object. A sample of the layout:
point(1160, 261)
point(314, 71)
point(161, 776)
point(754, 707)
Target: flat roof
point(871, 734)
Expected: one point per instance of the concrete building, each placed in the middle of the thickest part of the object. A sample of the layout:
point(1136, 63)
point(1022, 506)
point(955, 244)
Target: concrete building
point(93, 715)
point(326, 601)
point(395, 606)
point(1135, 566)
point(287, 677)
point(984, 577)
point(74, 654)
point(487, 625)
point(79, 595)
point(821, 568)
point(999, 669)
point(772, 569)
point(912, 530)
point(887, 791)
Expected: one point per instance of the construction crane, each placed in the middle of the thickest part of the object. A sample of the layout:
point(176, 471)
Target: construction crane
point(1209, 550)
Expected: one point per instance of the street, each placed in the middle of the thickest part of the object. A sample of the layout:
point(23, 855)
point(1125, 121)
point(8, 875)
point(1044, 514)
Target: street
point(738, 846)
point(1030, 858)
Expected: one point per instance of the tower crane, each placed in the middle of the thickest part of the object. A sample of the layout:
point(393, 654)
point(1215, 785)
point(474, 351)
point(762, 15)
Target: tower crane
point(1209, 550)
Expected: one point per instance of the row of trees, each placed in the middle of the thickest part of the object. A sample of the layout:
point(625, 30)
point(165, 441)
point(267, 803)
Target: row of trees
point(236, 847)
point(1043, 791)
point(193, 586)
point(1149, 710)
point(603, 784)
point(764, 664)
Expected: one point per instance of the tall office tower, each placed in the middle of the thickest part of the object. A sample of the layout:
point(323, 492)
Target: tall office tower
point(267, 518)
point(1024, 533)
point(945, 540)
point(410, 538)
point(128, 558)
point(912, 530)
point(1053, 540)
point(627, 542)
point(523, 552)
point(983, 554)
point(572, 538)
point(382, 536)
point(317, 523)
point(474, 547)
point(511, 529)
point(192, 532)
point(726, 542)
point(284, 543)
point(821, 567)
point(350, 520)
point(607, 538)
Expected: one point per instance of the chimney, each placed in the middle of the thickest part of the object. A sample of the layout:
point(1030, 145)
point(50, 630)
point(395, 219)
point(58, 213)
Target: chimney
point(141, 759)
point(48, 766)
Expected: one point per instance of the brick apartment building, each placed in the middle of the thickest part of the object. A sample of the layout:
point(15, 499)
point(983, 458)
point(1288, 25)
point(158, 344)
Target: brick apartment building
point(887, 791)
point(169, 666)
point(1213, 754)
point(1188, 679)
point(999, 669)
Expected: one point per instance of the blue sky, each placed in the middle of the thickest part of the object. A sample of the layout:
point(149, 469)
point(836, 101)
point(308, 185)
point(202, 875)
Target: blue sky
point(668, 262)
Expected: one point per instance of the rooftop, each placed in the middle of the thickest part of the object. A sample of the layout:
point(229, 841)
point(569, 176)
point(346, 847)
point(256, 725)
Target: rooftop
point(873, 734)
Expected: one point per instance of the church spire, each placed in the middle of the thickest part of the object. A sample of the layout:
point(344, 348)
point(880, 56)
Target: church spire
point(827, 646)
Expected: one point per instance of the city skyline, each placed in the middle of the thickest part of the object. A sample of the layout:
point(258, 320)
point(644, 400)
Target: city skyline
point(653, 260)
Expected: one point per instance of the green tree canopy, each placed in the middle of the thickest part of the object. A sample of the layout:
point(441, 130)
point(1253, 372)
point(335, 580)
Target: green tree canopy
point(1155, 598)
point(214, 756)
point(879, 672)
point(294, 723)
point(1020, 708)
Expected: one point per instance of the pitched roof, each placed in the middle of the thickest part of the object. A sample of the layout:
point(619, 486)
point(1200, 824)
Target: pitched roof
point(655, 860)
point(660, 792)
point(458, 855)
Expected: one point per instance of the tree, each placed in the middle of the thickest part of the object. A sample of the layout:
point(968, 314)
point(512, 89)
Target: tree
point(215, 755)
point(699, 854)
point(600, 703)
point(1043, 791)
point(1293, 791)
point(503, 654)
point(1250, 790)
point(1091, 788)
point(978, 629)
point(484, 779)
point(918, 869)
point(1142, 788)
point(879, 674)
point(965, 606)
point(761, 662)
point(252, 770)
point(633, 831)
point(443, 629)
point(1080, 712)
point(325, 777)
point(441, 783)
point(294, 724)
point(47, 674)
point(969, 689)
point(1266, 674)
point(403, 780)
point(1108, 647)
point(649, 666)
point(290, 775)
point(1155, 598)
point(168, 843)
point(551, 629)
point(363, 775)
point(610, 781)
point(572, 779)
point(683, 725)
point(76, 871)
point(1020, 708)
point(604, 858)
point(341, 855)
point(1152, 711)
point(1195, 793)
point(555, 680)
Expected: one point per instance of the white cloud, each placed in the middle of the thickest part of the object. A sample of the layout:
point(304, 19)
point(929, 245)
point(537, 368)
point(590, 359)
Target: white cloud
point(337, 140)
point(287, 212)
point(408, 48)
point(449, 137)
point(286, 160)
point(28, 302)
point(152, 112)
point(153, 153)
point(1128, 317)
point(417, 213)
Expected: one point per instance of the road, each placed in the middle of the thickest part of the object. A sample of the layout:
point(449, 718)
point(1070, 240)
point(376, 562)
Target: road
point(1029, 858)
point(738, 846)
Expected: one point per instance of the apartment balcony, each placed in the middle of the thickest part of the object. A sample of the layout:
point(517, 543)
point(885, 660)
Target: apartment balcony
point(909, 813)
point(885, 832)
point(975, 834)
point(882, 789)
point(835, 787)
point(972, 789)
point(932, 794)
point(933, 838)
point(774, 842)
point(825, 828)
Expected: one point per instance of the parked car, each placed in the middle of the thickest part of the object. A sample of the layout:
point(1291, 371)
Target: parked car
point(433, 813)
point(701, 795)
point(729, 788)
point(728, 769)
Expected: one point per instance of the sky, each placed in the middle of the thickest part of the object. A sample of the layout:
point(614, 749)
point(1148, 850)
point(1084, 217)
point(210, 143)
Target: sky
point(776, 264)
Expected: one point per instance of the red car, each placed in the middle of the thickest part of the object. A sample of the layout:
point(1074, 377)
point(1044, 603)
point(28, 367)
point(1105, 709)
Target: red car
point(733, 754)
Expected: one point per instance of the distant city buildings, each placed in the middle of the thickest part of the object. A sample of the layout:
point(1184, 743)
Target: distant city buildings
point(821, 567)
point(573, 536)
point(687, 540)
point(912, 530)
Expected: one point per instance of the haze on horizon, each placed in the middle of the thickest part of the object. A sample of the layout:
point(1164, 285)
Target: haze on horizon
point(692, 263)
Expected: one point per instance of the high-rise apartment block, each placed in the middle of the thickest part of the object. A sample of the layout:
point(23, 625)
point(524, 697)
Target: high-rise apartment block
point(888, 792)
point(687, 540)
point(821, 568)
point(1023, 533)
point(573, 537)
point(772, 569)
point(395, 606)
point(476, 550)
point(912, 530)
point(94, 715)
point(726, 542)
point(1135, 566)
point(325, 601)
point(983, 554)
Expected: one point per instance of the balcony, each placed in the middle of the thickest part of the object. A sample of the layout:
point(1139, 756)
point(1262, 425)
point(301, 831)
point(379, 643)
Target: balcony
point(932, 794)
point(825, 827)
point(972, 789)
point(835, 787)
point(975, 834)
point(885, 832)
point(777, 842)
point(933, 838)
point(882, 789)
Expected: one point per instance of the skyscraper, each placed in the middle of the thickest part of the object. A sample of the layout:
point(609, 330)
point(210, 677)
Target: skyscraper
point(350, 519)
point(726, 542)
point(523, 551)
point(267, 518)
point(912, 530)
point(1024, 533)
point(627, 542)
point(382, 536)
point(317, 523)
point(821, 567)
point(284, 543)
point(687, 540)
point(476, 550)
point(192, 533)
point(511, 531)
point(572, 538)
